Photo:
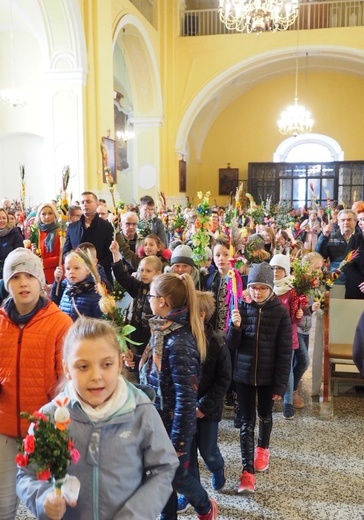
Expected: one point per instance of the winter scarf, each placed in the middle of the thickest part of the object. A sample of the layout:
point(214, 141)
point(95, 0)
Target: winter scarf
point(50, 230)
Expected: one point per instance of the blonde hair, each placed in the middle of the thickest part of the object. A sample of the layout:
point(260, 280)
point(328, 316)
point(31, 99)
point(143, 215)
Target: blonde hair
point(76, 256)
point(89, 328)
point(206, 303)
point(179, 291)
point(154, 261)
point(49, 205)
point(311, 257)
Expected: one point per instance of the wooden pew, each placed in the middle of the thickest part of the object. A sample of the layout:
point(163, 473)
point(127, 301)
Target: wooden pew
point(340, 321)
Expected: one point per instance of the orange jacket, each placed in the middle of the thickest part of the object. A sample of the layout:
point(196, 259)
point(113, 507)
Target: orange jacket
point(30, 365)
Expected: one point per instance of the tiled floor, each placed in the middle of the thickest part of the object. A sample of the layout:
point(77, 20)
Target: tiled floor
point(316, 470)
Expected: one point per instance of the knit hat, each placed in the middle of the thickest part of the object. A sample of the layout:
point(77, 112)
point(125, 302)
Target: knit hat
point(22, 260)
point(182, 255)
point(281, 261)
point(261, 273)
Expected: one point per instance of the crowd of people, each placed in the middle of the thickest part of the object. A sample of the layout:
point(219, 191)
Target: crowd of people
point(221, 311)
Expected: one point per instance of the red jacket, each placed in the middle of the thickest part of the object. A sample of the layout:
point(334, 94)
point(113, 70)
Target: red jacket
point(50, 260)
point(30, 365)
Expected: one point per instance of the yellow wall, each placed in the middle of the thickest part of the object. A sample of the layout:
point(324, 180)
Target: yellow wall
point(246, 131)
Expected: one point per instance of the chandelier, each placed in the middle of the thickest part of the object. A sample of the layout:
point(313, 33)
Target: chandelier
point(12, 97)
point(256, 16)
point(295, 119)
point(126, 135)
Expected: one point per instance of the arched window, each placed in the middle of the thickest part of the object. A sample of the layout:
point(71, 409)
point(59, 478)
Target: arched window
point(309, 148)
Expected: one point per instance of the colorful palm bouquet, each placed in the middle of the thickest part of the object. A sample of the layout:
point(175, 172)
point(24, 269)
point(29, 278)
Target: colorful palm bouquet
point(344, 263)
point(107, 304)
point(48, 449)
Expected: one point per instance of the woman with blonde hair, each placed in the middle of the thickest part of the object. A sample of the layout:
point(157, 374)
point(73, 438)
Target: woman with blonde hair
point(48, 244)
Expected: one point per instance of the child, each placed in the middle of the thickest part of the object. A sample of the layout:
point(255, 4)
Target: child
point(288, 297)
point(215, 380)
point(221, 286)
point(170, 364)
point(262, 335)
point(315, 262)
point(31, 336)
point(127, 462)
point(77, 294)
point(149, 267)
point(152, 245)
point(87, 246)
point(182, 263)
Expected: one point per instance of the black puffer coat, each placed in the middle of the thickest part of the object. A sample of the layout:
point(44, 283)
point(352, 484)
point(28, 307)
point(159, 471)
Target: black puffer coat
point(176, 384)
point(263, 345)
point(216, 375)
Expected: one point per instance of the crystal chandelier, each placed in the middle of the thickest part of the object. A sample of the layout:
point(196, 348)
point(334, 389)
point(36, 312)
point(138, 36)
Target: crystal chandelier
point(295, 119)
point(256, 16)
point(12, 97)
point(126, 135)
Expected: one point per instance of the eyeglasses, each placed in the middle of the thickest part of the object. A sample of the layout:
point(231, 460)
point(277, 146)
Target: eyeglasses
point(149, 296)
point(131, 223)
point(258, 288)
point(277, 268)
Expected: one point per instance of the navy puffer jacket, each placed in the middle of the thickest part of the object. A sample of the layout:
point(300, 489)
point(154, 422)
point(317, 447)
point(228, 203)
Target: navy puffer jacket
point(263, 345)
point(87, 303)
point(177, 383)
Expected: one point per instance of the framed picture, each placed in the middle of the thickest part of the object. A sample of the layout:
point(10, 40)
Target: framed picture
point(182, 176)
point(108, 152)
point(228, 180)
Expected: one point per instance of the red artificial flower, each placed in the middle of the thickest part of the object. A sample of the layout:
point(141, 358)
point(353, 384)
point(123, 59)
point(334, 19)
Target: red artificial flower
point(22, 460)
point(29, 444)
point(45, 474)
point(40, 415)
point(75, 456)
point(70, 444)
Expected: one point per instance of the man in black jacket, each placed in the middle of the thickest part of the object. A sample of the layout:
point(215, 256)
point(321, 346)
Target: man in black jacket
point(91, 228)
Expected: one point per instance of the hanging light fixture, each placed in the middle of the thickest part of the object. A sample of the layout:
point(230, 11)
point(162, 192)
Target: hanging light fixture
point(295, 119)
point(13, 97)
point(127, 134)
point(256, 16)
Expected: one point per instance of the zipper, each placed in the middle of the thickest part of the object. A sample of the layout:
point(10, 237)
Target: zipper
point(257, 346)
point(18, 381)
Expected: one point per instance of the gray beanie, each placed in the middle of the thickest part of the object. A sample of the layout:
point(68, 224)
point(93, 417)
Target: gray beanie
point(22, 260)
point(182, 255)
point(283, 261)
point(261, 273)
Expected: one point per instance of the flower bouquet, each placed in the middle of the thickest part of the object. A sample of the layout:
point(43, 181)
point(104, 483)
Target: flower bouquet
point(201, 238)
point(304, 282)
point(344, 263)
point(49, 449)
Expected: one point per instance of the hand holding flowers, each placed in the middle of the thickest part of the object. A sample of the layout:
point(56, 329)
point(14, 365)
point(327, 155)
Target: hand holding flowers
point(48, 450)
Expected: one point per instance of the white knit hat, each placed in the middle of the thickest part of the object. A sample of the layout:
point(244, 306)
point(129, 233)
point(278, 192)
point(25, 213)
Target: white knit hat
point(282, 261)
point(22, 260)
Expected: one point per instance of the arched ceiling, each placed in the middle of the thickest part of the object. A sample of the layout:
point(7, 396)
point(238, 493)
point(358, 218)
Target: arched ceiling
point(228, 86)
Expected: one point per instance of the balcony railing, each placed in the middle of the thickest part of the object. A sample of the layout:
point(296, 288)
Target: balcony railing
point(313, 15)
